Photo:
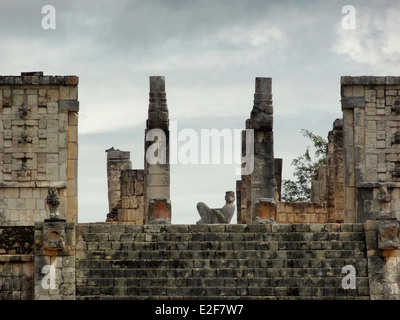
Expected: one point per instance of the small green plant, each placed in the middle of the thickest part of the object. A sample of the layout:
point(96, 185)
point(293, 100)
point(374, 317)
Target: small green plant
point(299, 189)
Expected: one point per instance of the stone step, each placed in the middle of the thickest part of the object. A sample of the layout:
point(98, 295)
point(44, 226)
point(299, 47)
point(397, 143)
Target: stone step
point(96, 246)
point(217, 228)
point(218, 255)
point(190, 272)
point(146, 282)
point(211, 262)
point(220, 237)
point(228, 272)
point(200, 292)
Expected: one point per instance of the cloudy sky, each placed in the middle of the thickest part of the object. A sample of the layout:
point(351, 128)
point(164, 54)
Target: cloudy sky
point(210, 53)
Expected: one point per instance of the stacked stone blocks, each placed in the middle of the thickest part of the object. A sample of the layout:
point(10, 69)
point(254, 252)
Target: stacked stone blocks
point(371, 147)
point(132, 196)
point(39, 146)
point(301, 212)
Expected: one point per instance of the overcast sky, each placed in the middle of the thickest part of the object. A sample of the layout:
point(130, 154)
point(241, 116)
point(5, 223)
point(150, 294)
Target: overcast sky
point(210, 53)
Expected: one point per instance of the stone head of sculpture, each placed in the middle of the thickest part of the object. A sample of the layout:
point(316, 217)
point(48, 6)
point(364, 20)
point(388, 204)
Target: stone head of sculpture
point(230, 197)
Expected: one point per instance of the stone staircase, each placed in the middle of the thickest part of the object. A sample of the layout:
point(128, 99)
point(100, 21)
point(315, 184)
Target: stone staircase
point(283, 261)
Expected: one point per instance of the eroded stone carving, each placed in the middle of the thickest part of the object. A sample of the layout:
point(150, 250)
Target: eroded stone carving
point(389, 235)
point(214, 216)
point(53, 201)
point(265, 211)
point(159, 211)
point(23, 111)
point(54, 237)
point(384, 199)
point(396, 106)
point(25, 138)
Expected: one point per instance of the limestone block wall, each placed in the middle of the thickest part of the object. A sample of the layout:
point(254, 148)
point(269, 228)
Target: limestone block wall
point(16, 263)
point(301, 212)
point(371, 121)
point(38, 146)
point(283, 261)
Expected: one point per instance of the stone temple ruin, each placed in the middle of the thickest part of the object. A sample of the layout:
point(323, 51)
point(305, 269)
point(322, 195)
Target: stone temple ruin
point(344, 244)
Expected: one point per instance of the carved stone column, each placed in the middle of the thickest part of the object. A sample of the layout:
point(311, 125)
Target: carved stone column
point(263, 185)
point(156, 167)
point(54, 241)
point(383, 251)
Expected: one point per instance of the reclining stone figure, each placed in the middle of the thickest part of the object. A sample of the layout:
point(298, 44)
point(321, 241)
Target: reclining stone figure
point(220, 215)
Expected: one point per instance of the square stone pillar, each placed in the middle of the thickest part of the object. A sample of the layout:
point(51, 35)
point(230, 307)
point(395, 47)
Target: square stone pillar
point(157, 167)
point(263, 184)
point(383, 252)
point(54, 273)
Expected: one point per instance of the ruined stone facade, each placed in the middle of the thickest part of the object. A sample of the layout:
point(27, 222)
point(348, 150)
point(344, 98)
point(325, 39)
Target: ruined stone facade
point(39, 146)
point(344, 244)
point(371, 119)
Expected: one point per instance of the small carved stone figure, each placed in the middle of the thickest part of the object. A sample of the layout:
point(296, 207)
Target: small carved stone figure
point(396, 107)
point(53, 201)
point(23, 110)
point(214, 216)
point(25, 138)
